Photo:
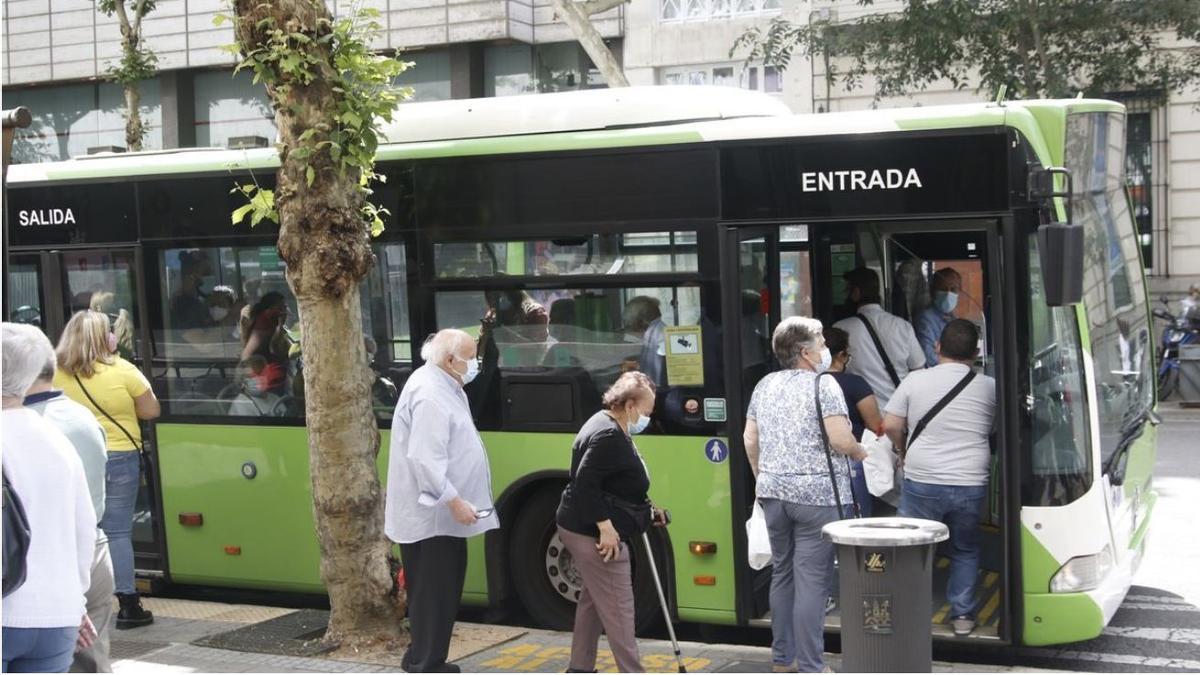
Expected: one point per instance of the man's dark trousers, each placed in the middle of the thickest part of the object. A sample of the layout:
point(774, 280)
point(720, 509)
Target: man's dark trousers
point(434, 571)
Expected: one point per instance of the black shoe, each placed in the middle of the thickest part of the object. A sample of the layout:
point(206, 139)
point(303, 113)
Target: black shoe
point(132, 614)
point(449, 668)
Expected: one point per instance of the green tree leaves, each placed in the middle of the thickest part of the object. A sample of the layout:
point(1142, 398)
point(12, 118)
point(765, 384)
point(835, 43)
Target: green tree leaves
point(1037, 48)
point(361, 82)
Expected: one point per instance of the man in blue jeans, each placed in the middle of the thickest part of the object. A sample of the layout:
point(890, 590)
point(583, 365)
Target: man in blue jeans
point(946, 459)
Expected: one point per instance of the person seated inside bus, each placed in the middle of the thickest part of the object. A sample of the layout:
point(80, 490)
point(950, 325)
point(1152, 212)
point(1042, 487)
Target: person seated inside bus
point(267, 337)
point(946, 455)
point(254, 399)
point(929, 323)
point(564, 335)
point(223, 310)
point(188, 309)
point(644, 325)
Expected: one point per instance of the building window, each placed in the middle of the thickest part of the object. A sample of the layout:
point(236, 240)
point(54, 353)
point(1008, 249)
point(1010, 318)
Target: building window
point(510, 70)
point(1139, 176)
point(429, 76)
point(703, 10)
point(70, 119)
point(767, 79)
point(228, 106)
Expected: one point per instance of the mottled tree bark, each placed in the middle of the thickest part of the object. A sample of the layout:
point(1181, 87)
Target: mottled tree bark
point(134, 131)
point(325, 243)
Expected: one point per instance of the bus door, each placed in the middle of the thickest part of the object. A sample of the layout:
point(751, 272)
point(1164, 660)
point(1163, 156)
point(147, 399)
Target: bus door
point(750, 301)
point(46, 288)
point(906, 256)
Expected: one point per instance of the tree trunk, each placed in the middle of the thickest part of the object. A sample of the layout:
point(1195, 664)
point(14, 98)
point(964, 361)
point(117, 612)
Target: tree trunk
point(589, 38)
point(326, 245)
point(134, 131)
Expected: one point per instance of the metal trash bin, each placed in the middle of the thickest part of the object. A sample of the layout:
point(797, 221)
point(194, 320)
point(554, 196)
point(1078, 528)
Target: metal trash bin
point(1189, 373)
point(886, 575)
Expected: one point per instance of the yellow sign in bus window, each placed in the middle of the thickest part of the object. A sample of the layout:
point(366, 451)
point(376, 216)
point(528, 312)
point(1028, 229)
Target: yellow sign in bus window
point(685, 357)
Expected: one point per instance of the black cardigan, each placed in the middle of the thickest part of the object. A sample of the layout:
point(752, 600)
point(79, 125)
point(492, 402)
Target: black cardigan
point(603, 460)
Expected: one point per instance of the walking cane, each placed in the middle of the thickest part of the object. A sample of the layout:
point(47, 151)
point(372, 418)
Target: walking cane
point(662, 598)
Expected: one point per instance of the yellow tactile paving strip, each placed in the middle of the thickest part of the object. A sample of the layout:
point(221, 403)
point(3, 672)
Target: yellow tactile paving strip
point(197, 610)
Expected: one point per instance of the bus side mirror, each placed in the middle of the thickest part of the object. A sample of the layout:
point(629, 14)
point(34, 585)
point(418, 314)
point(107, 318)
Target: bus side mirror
point(1060, 247)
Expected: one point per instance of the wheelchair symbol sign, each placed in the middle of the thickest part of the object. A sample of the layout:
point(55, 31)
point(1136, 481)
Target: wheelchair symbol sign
point(716, 451)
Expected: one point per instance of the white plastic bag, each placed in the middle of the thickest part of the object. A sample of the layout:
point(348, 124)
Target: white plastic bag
point(758, 542)
point(879, 468)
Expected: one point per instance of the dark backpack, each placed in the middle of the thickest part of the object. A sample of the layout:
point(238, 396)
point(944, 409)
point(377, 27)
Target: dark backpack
point(16, 539)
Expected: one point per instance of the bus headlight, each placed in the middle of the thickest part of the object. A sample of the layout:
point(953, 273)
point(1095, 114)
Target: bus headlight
point(1082, 573)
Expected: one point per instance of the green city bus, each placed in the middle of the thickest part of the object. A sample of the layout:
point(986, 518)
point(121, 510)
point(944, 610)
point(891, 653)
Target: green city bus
point(667, 229)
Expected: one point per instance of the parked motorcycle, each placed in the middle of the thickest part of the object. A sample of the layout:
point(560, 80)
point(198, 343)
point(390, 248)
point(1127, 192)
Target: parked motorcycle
point(1182, 329)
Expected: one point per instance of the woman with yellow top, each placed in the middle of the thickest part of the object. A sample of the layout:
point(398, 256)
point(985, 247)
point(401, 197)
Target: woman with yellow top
point(92, 374)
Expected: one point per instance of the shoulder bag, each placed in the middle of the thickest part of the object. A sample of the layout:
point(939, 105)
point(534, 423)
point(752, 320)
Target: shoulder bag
point(16, 539)
point(143, 455)
point(887, 362)
point(837, 496)
point(924, 421)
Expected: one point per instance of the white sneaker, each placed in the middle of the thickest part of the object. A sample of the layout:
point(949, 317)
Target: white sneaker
point(963, 625)
point(830, 604)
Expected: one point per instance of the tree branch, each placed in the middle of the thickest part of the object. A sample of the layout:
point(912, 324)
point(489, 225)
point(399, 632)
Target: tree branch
point(122, 17)
point(591, 7)
point(139, 11)
point(577, 20)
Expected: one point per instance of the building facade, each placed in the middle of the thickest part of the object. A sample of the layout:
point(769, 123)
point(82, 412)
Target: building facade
point(56, 52)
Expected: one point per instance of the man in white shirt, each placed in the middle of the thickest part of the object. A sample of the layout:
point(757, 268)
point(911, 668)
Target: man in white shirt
point(439, 493)
point(80, 427)
point(896, 337)
point(947, 456)
point(45, 616)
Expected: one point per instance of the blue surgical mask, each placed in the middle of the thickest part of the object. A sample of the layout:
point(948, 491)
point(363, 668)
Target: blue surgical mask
point(945, 301)
point(640, 425)
point(472, 370)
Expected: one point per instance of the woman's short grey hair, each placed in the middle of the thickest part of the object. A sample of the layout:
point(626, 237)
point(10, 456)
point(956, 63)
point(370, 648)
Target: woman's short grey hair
point(792, 336)
point(442, 344)
point(26, 351)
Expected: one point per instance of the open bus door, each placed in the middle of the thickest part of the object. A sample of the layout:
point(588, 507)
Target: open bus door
point(770, 272)
point(45, 288)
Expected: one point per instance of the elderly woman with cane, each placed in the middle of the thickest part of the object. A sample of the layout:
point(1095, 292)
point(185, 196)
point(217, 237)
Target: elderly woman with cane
point(603, 509)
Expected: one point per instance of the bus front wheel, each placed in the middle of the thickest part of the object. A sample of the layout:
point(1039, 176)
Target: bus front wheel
point(545, 577)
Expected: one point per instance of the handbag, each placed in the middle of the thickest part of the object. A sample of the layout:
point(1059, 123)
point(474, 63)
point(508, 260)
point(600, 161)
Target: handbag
point(758, 540)
point(837, 496)
point(879, 468)
point(630, 519)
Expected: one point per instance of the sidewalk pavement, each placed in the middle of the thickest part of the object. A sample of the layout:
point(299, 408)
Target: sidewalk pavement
point(169, 646)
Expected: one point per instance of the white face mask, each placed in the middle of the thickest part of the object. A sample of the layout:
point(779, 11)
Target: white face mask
point(218, 313)
point(826, 361)
point(472, 370)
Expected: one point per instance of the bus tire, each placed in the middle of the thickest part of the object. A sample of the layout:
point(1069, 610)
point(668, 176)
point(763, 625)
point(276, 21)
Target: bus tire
point(544, 579)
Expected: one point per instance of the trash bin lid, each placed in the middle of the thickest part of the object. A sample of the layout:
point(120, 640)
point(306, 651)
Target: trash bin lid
point(891, 531)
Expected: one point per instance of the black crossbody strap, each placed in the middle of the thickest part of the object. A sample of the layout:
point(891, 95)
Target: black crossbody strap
point(887, 362)
point(104, 412)
point(962, 384)
point(837, 495)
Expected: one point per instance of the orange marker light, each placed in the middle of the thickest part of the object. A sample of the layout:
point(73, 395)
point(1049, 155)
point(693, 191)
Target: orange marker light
point(233, 550)
point(704, 581)
point(191, 519)
point(702, 547)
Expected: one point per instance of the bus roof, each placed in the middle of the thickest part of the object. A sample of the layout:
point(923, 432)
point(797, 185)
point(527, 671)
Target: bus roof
point(605, 118)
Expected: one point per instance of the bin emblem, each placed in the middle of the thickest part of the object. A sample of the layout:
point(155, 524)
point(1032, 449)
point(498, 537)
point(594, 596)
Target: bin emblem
point(875, 561)
point(877, 614)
